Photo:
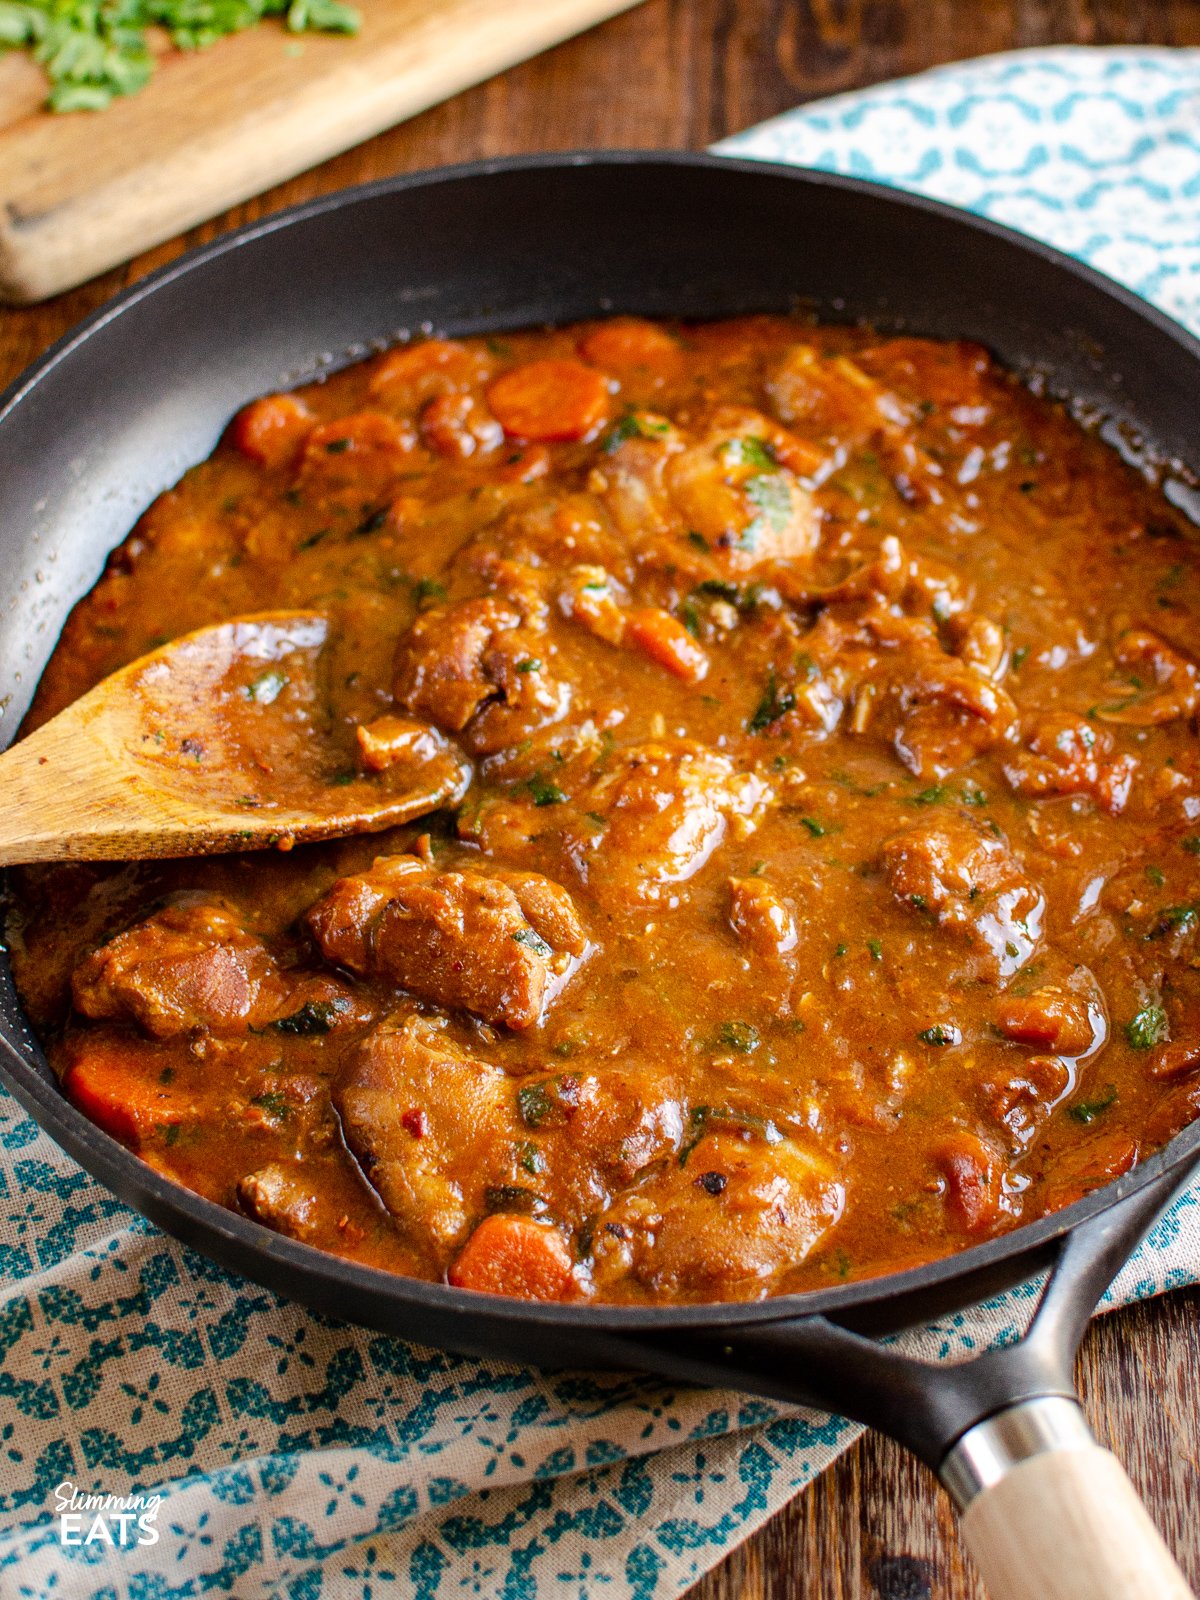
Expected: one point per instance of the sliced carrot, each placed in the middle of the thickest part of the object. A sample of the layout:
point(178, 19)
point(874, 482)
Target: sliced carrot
point(627, 344)
point(665, 640)
point(271, 430)
point(972, 1180)
point(515, 1256)
point(549, 400)
point(367, 449)
point(118, 1088)
point(411, 362)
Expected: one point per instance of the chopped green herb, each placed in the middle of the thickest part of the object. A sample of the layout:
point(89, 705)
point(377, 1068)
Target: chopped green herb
point(1155, 876)
point(769, 494)
point(314, 1016)
point(95, 53)
point(719, 589)
point(690, 618)
point(817, 829)
point(545, 794)
point(530, 664)
point(840, 950)
point(635, 425)
point(511, 1197)
point(272, 1102)
point(942, 1033)
point(1088, 1110)
point(428, 589)
point(1019, 657)
point(267, 687)
point(531, 1158)
point(532, 941)
point(698, 540)
point(773, 705)
point(750, 452)
point(171, 1133)
point(1173, 919)
point(739, 1036)
point(935, 795)
point(703, 1119)
point(1147, 1028)
point(550, 1103)
point(1192, 844)
point(875, 946)
point(337, 447)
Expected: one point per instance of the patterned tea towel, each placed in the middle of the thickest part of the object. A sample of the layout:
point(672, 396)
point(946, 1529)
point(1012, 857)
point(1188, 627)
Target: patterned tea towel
point(282, 1456)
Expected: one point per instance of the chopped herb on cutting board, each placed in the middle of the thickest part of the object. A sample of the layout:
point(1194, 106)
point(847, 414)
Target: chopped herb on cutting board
point(93, 52)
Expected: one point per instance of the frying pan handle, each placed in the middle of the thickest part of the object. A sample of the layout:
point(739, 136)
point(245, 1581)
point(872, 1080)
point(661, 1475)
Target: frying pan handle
point(1049, 1514)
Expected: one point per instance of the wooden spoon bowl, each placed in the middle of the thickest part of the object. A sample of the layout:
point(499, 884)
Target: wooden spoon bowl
point(221, 740)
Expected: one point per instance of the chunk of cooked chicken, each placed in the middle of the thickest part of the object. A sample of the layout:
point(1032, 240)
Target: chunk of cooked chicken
point(500, 946)
point(655, 818)
point(969, 882)
point(427, 1122)
point(191, 965)
point(281, 1198)
point(723, 1224)
point(1066, 754)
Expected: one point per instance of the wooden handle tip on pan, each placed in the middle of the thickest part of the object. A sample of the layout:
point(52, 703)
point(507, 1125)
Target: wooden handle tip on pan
point(1056, 1517)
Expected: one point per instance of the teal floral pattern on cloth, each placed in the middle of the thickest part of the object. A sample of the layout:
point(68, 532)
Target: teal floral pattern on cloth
point(301, 1459)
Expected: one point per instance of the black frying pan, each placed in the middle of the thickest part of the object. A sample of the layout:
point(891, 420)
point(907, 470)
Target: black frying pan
point(117, 410)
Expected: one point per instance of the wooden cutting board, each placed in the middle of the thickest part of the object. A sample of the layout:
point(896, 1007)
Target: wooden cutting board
point(81, 192)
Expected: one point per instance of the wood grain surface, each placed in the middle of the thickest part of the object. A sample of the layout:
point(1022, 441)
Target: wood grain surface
point(686, 72)
point(213, 126)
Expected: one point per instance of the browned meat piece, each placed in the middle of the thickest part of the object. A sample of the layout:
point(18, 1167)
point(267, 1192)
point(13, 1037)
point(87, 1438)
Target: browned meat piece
point(733, 484)
point(665, 808)
point(1069, 755)
point(760, 917)
point(485, 663)
point(280, 1198)
point(971, 1172)
point(1022, 1100)
point(1172, 692)
point(968, 881)
point(1066, 1015)
point(724, 1224)
point(460, 939)
point(189, 966)
point(397, 741)
point(432, 1127)
point(440, 663)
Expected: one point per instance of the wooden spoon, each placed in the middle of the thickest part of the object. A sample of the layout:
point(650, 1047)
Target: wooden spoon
point(221, 740)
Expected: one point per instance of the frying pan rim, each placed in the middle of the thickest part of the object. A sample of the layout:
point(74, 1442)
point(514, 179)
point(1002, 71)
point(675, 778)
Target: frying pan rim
point(39, 1092)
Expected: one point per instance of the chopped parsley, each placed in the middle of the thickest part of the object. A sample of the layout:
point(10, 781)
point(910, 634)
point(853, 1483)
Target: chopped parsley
point(273, 1103)
point(750, 452)
point(532, 941)
point(774, 704)
point(771, 498)
point(635, 425)
point(530, 664)
point(816, 828)
point(545, 794)
point(875, 946)
point(1088, 1110)
point(314, 1016)
point(1146, 1028)
point(550, 1103)
point(739, 1036)
point(94, 53)
point(941, 1034)
point(269, 685)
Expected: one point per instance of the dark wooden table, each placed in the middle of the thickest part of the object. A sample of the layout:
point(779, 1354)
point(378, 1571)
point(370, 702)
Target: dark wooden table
point(683, 73)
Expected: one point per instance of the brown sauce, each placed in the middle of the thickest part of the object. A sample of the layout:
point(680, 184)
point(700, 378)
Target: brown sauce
point(826, 897)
